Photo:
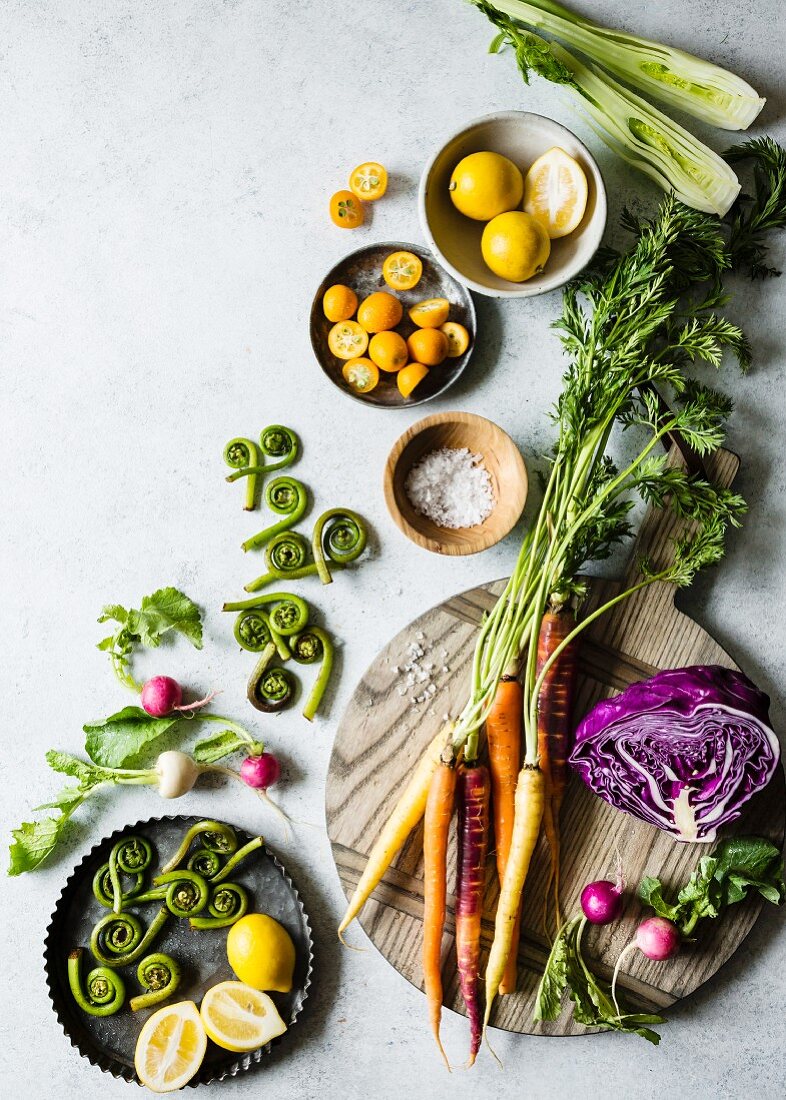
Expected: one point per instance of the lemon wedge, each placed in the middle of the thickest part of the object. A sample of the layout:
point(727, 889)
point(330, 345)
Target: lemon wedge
point(240, 1018)
point(170, 1047)
point(555, 192)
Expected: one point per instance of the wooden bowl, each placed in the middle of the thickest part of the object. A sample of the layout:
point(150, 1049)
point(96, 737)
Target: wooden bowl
point(362, 271)
point(522, 137)
point(501, 458)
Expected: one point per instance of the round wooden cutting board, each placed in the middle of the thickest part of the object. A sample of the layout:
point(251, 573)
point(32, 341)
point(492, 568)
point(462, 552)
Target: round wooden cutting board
point(382, 734)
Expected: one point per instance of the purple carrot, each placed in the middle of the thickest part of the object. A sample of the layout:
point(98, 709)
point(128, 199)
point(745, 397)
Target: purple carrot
point(473, 825)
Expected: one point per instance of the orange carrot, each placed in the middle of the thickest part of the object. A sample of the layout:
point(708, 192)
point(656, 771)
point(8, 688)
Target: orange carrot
point(555, 709)
point(436, 832)
point(473, 812)
point(503, 733)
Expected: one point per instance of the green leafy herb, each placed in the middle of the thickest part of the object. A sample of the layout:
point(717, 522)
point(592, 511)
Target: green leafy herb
point(736, 867)
point(33, 841)
point(123, 739)
point(567, 969)
point(166, 610)
point(755, 215)
point(225, 743)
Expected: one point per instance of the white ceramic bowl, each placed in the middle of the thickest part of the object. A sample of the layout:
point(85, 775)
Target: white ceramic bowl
point(455, 239)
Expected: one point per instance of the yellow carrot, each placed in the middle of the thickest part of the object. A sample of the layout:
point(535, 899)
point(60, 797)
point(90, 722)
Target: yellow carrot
point(407, 813)
point(530, 799)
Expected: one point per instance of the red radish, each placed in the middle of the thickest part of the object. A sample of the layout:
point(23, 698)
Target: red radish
point(657, 939)
point(473, 820)
point(260, 771)
point(601, 901)
point(162, 695)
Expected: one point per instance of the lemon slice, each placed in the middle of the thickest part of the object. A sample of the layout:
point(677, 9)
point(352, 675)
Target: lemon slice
point(555, 192)
point(240, 1018)
point(170, 1047)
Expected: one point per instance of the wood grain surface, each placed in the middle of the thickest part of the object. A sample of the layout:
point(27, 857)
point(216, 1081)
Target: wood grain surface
point(382, 734)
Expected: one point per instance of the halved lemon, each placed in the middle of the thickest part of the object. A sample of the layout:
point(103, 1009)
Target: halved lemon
point(240, 1018)
point(402, 270)
point(170, 1047)
point(369, 181)
point(555, 192)
point(347, 340)
point(430, 313)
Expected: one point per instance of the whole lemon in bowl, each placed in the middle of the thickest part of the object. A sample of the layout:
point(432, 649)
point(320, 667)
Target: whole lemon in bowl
point(515, 246)
point(261, 952)
point(485, 184)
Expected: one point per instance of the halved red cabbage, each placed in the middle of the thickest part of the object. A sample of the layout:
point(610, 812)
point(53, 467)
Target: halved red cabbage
point(683, 750)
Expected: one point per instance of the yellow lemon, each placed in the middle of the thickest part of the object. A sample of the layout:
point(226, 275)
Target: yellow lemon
point(240, 1018)
point(170, 1047)
point(515, 246)
point(484, 185)
point(261, 952)
point(555, 192)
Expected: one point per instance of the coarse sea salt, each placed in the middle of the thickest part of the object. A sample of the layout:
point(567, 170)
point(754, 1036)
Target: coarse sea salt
point(451, 487)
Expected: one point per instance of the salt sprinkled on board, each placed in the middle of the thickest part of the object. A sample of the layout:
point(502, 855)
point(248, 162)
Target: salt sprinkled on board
point(451, 487)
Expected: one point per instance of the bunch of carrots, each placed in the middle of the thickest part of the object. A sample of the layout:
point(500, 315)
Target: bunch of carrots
point(634, 324)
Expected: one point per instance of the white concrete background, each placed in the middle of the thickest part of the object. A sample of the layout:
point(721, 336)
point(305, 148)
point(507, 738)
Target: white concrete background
point(164, 175)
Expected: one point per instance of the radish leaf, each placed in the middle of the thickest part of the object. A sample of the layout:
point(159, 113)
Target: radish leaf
point(123, 739)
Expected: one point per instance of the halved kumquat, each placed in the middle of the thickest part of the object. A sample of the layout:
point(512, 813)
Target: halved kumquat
point(361, 375)
point(369, 181)
point(346, 210)
point(347, 340)
point(402, 270)
point(410, 377)
point(458, 338)
point(430, 313)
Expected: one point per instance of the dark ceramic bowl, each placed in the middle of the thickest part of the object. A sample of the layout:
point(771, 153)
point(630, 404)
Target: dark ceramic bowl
point(362, 272)
point(109, 1043)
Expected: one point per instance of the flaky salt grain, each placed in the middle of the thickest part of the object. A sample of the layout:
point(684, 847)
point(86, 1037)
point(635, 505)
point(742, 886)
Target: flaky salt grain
point(451, 487)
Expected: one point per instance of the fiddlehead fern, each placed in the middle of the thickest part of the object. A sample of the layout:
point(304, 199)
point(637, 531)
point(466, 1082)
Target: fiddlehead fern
point(119, 939)
point(281, 444)
point(205, 863)
point(307, 648)
point(287, 497)
point(270, 688)
point(103, 890)
point(215, 836)
point(187, 892)
point(104, 992)
point(131, 856)
point(243, 456)
point(238, 857)
point(228, 903)
point(340, 537)
point(286, 552)
point(253, 632)
point(158, 974)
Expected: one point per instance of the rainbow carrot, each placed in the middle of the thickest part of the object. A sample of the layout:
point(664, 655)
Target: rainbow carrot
point(503, 734)
point(555, 710)
point(530, 797)
point(436, 832)
point(406, 814)
point(473, 814)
